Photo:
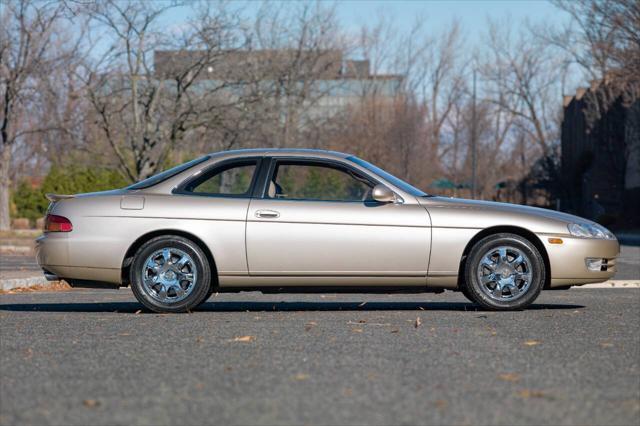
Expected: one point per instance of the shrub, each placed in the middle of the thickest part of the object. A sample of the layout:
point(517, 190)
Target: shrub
point(76, 180)
point(28, 202)
point(31, 203)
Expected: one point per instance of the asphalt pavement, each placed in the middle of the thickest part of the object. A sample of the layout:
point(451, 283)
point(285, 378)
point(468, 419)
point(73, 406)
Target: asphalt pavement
point(90, 357)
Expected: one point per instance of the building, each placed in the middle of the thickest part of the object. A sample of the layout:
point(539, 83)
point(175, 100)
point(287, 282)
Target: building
point(336, 82)
point(600, 163)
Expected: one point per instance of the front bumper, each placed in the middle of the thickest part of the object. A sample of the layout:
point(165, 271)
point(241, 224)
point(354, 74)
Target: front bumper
point(568, 260)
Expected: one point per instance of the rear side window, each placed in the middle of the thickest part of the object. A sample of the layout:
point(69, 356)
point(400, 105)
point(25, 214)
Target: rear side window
point(161, 177)
point(233, 179)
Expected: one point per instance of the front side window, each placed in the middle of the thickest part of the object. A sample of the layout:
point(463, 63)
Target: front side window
point(317, 182)
point(230, 180)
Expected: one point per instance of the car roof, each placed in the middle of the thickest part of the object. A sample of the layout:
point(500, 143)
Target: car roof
point(280, 152)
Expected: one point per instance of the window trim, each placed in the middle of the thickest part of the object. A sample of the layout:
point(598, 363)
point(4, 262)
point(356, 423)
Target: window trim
point(227, 164)
point(326, 162)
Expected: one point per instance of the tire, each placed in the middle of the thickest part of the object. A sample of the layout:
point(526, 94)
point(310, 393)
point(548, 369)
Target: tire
point(212, 289)
point(500, 285)
point(170, 274)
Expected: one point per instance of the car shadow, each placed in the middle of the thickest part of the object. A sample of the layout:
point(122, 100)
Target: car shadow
point(132, 307)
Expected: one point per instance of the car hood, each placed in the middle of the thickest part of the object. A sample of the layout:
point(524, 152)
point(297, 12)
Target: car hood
point(509, 208)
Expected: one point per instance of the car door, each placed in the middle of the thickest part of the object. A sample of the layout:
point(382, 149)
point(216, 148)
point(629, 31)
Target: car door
point(316, 218)
point(213, 205)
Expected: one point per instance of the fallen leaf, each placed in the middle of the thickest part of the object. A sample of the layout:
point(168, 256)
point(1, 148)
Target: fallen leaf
point(308, 326)
point(362, 304)
point(395, 330)
point(357, 330)
point(441, 404)
point(509, 377)
point(244, 339)
point(199, 339)
point(421, 308)
point(138, 311)
point(526, 393)
point(301, 376)
point(531, 342)
point(418, 322)
point(91, 403)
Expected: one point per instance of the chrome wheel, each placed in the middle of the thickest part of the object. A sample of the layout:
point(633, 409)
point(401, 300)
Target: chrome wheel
point(504, 273)
point(169, 275)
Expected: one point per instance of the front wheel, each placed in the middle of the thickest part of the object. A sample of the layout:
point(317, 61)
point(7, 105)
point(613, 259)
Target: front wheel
point(504, 272)
point(170, 274)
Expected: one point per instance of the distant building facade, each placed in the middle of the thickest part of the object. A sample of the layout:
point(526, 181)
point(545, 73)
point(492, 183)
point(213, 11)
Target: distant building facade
point(337, 82)
point(600, 162)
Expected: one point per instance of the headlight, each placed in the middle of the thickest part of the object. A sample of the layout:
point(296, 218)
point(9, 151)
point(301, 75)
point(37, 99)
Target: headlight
point(589, 230)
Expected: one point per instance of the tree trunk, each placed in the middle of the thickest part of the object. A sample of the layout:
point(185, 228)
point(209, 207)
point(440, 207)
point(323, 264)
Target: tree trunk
point(5, 162)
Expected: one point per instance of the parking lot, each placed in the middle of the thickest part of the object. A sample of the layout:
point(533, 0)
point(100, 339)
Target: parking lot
point(90, 357)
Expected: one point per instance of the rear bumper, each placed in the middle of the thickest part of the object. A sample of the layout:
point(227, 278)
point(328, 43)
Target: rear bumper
point(52, 254)
point(568, 260)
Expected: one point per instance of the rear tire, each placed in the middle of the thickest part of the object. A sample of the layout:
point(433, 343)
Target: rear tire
point(170, 274)
point(503, 272)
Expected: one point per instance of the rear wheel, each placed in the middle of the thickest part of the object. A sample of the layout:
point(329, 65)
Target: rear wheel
point(170, 274)
point(504, 272)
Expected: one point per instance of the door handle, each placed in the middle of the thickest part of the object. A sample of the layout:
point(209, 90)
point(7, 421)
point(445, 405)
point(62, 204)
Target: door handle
point(269, 214)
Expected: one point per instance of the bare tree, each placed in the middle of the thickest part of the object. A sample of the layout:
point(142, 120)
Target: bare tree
point(28, 51)
point(603, 38)
point(523, 80)
point(300, 55)
point(149, 89)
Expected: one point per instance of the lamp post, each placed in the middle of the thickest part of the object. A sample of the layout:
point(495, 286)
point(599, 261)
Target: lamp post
point(473, 139)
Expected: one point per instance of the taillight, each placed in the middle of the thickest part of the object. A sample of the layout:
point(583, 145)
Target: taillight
point(55, 223)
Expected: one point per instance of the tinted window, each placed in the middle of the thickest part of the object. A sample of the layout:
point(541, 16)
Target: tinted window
point(161, 177)
point(388, 177)
point(317, 182)
point(230, 179)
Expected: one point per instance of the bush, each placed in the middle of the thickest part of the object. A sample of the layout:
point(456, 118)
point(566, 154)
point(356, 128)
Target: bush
point(76, 180)
point(28, 202)
point(31, 203)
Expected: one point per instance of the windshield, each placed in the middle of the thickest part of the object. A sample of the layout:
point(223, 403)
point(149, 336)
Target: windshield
point(162, 176)
point(388, 177)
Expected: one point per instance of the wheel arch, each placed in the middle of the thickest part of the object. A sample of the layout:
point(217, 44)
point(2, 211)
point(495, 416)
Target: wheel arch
point(523, 232)
point(127, 261)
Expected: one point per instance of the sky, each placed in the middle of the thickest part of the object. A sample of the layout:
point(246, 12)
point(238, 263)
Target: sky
point(472, 14)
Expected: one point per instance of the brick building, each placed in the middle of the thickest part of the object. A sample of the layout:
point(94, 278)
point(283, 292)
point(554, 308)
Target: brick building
point(600, 163)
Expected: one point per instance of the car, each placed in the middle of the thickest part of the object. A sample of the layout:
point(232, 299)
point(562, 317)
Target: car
point(301, 220)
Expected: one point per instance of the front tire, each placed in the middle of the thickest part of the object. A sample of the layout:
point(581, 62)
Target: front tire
point(504, 272)
point(170, 274)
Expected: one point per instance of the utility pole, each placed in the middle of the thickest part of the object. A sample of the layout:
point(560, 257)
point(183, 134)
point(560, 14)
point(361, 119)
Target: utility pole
point(473, 139)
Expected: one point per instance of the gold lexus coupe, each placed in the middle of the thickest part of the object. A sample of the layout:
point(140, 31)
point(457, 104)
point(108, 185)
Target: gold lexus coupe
point(309, 221)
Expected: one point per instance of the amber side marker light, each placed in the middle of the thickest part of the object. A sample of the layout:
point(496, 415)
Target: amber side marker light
point(555, 240)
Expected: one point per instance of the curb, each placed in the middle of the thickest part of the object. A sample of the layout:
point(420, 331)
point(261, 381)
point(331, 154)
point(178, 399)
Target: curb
point(4, 249)
point(613, 284)
point(14, 283)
